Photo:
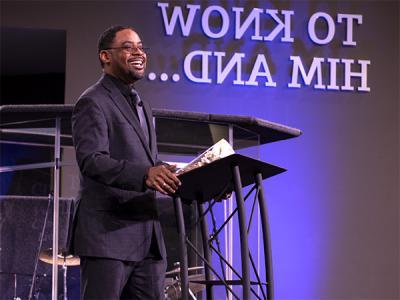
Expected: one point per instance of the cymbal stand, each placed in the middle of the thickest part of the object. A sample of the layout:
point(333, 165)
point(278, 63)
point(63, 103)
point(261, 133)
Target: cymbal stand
point(178, 281)
point(191, 294)
point(64, 268)
point(15, 288)
point(39, 247)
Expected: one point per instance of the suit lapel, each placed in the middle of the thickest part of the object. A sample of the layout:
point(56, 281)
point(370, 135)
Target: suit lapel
point(126, 110)
point(152, 133)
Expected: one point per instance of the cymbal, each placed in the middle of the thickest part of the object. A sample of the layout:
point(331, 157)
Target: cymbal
point(178, 270)
point(62, 258)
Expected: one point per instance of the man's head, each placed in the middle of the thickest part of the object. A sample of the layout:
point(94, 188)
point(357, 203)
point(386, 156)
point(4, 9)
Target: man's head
point(121, 53)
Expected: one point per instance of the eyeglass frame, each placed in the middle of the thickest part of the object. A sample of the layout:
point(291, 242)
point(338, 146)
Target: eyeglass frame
point(130, 49)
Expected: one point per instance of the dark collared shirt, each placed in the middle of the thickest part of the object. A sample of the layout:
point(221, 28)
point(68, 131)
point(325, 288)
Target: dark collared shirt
point(126, 91)
point(124, 88)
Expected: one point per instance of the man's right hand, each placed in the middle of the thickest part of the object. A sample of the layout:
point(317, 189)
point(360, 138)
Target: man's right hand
point(161, 178)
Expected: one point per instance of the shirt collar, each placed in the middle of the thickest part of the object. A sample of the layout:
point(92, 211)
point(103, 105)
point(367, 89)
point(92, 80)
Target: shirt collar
point(124, 88)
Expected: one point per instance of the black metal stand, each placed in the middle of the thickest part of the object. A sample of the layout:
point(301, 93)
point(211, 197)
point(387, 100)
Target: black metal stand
point(235, 172)
point(244, 247)
point(206, 249)
point(266, 237)
point(182, 247)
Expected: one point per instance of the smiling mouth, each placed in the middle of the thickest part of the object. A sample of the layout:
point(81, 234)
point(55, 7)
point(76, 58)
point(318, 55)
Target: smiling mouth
point(137, 63)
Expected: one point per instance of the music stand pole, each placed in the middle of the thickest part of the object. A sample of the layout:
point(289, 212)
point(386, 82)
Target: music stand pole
point(266, 238)
point(180, 222)
point(206, 249)
point(244, 247)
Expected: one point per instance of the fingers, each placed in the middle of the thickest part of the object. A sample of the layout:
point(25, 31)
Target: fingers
point(227, 195)
point(224, 196)
point(156, 185)
point(159, 188)
point(172, 175)
point(172, 168)
point(168, 182)
point(171, 179)
point(162, 179)
point(165, 186)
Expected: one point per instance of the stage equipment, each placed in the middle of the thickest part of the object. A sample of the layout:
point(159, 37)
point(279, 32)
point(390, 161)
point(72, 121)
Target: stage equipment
point(26, 223)
point(178, 270)
point(173, 286)
point(202, 184)
point(63, 259)
point(182, 133)
point(39, 247)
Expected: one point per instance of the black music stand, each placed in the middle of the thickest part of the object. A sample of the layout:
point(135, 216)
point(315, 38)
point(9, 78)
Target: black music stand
point(231, 173)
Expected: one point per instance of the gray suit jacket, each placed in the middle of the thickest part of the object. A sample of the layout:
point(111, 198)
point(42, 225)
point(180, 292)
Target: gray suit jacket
point(116, 214)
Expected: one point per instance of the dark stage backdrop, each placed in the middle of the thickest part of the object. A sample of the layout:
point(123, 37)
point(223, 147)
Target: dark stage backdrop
point(330, 68)
point(34, 78)
point(23, 218)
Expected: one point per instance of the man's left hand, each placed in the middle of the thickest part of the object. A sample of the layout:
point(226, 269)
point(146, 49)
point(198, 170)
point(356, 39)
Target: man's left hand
point(161, 178)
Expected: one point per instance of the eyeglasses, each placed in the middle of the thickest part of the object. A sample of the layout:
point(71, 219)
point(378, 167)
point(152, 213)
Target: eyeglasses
point(130, 49)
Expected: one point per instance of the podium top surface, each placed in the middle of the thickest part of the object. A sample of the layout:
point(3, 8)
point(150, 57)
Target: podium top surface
point(211, 180)
point(16, 119)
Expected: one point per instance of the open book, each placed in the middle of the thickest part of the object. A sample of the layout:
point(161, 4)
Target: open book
point(219, 150)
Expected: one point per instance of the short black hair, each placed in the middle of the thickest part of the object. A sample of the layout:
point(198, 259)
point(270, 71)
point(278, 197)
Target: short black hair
point(107, 38)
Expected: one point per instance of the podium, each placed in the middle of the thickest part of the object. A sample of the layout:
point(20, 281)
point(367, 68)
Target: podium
point(178, 132)
point(228, 174)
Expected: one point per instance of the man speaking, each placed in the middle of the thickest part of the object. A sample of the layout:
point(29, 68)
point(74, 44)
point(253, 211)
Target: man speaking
point(117, 233)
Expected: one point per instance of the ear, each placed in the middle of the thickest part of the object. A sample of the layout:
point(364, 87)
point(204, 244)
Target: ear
point(105, 56)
